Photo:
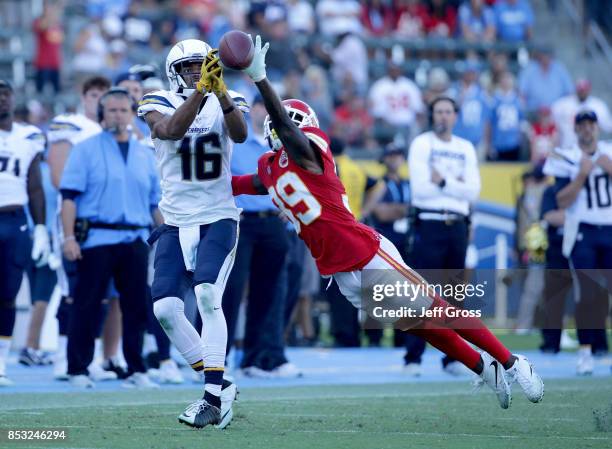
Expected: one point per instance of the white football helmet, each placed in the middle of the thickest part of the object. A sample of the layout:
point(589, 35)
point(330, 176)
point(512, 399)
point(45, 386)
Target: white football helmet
point(300, 113)
point(187, 51)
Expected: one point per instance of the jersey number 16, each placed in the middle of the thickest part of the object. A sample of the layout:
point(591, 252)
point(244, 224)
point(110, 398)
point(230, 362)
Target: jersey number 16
point(205, 165)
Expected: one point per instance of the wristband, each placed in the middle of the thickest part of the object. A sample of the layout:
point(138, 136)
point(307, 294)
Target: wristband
point(70, 237)
point(228, 110)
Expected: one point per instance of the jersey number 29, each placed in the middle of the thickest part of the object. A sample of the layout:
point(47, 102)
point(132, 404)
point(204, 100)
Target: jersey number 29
point(207, 165)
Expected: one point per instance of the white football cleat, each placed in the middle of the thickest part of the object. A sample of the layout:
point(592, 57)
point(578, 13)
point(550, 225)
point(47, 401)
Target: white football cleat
point(99, 374)
point(586, 362)
point(5, 381)
point(523, 373)
point(140, 381)
point(254, 371)
point(567, 342)
point(169, 373)
point(493, 376)
point(457, 369)
point(286, 371)
point(413, 369)
point(81, 381)
point(228, 395)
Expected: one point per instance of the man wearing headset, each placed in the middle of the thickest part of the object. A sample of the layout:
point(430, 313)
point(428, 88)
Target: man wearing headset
point(110, 192)
point(445, 181)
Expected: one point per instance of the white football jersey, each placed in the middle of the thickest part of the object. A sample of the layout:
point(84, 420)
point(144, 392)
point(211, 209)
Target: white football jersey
point(72, 128)
point(594, 202)
point(18, 147)
point(195, 171)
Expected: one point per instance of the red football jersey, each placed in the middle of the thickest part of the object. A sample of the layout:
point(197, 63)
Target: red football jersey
point(317, 206)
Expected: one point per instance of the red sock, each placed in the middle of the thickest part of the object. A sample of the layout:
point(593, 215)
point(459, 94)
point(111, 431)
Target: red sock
point(449, 342)
point(473, 330)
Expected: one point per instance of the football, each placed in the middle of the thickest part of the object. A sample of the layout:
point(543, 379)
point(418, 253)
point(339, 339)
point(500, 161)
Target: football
point(236, 50)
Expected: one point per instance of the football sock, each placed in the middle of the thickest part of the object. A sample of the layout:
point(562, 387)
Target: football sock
point(214, 338)
point(474, 331)
point(450, 343)
point(170, 312)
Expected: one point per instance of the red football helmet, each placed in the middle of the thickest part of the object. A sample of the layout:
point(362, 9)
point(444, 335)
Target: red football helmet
point(301, 114)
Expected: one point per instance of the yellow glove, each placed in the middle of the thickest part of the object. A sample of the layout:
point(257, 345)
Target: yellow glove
point(211, 75)
point(536, 242)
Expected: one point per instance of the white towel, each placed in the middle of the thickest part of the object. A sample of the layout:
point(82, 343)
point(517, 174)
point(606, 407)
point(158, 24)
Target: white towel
point(189, 237)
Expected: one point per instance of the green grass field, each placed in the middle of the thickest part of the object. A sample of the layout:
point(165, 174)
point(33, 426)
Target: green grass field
point(415, 415)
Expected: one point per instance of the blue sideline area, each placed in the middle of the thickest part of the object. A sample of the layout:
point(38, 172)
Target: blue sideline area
point(323, 367)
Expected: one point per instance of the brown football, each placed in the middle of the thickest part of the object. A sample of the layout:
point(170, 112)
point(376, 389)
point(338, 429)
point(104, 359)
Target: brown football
point(236, 50)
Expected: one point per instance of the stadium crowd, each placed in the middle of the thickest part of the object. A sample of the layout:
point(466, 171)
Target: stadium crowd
point(370, 70)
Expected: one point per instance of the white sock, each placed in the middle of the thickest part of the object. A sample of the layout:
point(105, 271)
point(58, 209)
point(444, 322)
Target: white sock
point(170, 313)
point(62, 347)
point(214, 327)
point(5, 346)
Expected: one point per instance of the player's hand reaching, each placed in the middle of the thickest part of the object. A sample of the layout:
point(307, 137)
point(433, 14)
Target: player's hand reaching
point(257, 69)
point(211, 75)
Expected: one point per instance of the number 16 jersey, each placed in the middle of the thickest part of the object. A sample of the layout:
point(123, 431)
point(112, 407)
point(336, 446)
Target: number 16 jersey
point(317, 206)
point(194, 171)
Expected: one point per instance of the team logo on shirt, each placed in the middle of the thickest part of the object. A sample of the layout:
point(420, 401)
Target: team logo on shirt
point(283, 161)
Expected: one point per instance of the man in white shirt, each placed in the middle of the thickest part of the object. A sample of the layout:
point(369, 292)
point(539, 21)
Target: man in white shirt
point(445, 182)
point(565, 109)
point(396, 101)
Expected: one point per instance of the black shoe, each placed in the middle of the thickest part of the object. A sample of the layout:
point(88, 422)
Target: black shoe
point(109, 365)
point(200, 414)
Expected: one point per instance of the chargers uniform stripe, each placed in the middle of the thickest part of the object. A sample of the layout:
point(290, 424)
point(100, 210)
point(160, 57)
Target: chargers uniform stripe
point(155, 99)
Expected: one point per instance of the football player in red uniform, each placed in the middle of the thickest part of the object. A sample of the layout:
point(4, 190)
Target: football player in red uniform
point(299, 174)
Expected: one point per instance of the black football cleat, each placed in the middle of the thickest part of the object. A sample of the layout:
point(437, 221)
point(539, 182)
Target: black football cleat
point(200, 414)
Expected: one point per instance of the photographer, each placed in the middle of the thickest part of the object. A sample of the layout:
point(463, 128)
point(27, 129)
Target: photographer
point(110, 192)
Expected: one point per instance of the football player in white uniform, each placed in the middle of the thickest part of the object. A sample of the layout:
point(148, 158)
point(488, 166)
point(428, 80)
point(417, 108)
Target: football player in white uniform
point(20, 184)
point(193, 125)
point(583, 175)
point(65, 131)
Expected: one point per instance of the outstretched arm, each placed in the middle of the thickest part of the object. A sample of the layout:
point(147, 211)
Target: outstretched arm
point(248, 185)
point(295, 142)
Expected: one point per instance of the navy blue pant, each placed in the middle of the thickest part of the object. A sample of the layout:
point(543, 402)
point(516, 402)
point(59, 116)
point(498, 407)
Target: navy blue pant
point(260, 257)
point(15, 248)
point(591, 260)
point(126, 264)
point(171, 276)
point(436, 246)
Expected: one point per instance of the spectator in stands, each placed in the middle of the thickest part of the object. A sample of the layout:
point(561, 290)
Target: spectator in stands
point(337, 17)
point(514, 19)
point(316, 93)
point(543, 136)
point(396, 103)
point(498, 66)
point(377, 17)
point(506, 122)
point(118, 59)
point(544, 80)
point(473, 120)
point(49, 38)
point(301, 17)
point(281, 57)
point(438, 83)
point(90, 52)
point(352, 122)
point(350, 59)
point(409, 22)
point(439, 18)
point(565, 109)
point(476, 21)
